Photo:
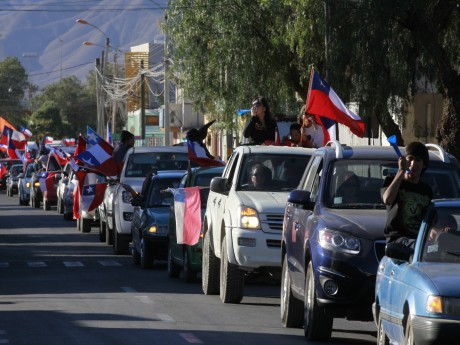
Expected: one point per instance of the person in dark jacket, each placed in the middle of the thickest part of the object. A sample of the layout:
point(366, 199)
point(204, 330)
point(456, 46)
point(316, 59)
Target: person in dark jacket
point(127, 141)
point(261, 127)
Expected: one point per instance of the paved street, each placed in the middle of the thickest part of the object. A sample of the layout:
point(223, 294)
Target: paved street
point(58, 286)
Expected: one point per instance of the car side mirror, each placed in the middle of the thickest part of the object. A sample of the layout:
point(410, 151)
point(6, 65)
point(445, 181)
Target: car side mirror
point(218, 184)
point(138, 201)
point(301, 197)
point(398, 251)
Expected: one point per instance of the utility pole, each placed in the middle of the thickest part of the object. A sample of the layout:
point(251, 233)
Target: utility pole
point(166, 89)
point(98, 95)
point(114, 102)
point(142, 103)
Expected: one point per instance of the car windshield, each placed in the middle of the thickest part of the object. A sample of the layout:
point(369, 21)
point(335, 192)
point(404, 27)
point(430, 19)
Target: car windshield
point(272, 172)
point(442, 237)
point(16, 170)
point(157, 195)
point(140, 164)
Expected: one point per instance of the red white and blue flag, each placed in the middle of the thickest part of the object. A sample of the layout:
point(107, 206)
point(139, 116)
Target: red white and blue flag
point(198, 154)
point(49, 140)
point(19, 140)
point(69, 141)
point(187, 209)
point(6, 134)
point(109, 135)
point(3, 170)
point(323, 101)
point(46, 180)
point(98, 155)
point(13, 151)
point(26, 132)
point(91, 187)
point(61, 156)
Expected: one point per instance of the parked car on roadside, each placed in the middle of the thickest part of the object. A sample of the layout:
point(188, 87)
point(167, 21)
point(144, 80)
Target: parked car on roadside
point(417, 295)
point(7, 163)
point(12, 179)
point(24, 184)
point(181, 256)
point(116, 210)
point(333, 235)
point(243, 222)
point(150, 223)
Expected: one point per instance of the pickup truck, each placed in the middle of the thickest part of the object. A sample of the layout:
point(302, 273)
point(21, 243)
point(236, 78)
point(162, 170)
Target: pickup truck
point(242, 225)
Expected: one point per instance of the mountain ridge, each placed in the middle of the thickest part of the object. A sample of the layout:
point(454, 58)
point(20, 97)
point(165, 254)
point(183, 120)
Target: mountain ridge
point(49, 42)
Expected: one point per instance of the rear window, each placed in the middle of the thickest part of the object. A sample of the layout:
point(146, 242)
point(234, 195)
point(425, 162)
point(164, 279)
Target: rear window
point(140, 164)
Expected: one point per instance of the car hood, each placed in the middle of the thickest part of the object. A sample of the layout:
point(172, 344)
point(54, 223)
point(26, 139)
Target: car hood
point(444, 276)
point(364, 223)
point(158, 215)
point(264, 202)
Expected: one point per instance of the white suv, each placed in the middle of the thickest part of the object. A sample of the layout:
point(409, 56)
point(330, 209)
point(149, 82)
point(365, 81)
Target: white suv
point(139, 161)
point(243, 224)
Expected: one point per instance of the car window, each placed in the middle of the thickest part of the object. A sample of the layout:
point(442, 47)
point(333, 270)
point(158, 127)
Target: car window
point(140, 164)
point(283, 171)
point(442, 238)
point(157, 195)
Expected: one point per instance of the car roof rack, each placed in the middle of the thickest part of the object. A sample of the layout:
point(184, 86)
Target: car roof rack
point(337, 146)
point(438, 151)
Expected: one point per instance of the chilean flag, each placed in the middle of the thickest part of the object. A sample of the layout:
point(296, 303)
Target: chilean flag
point(98, 155)
point(19, 140)
point(6, 133)
point(187, 209)
point(198, 154)
point(3, 170)
point(323, 101)
point(91, 187)
point(68, 141)
point(46, 180)
point(26, 132)
point(13, 151)
point(49, 140)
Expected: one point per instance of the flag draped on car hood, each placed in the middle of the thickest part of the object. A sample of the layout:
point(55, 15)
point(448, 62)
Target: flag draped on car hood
point(323, 101)
point(187, 208)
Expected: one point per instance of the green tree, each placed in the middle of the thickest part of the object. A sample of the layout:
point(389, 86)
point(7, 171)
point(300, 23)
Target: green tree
point(76, 104)
point(373, 52)
point(13, 81)
point(46, 121)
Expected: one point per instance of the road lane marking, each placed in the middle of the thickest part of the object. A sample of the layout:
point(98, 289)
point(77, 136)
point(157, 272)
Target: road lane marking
point(73, 264)
point(144, 299)
point(165, 318)
point(109, 263)
point(189, 337)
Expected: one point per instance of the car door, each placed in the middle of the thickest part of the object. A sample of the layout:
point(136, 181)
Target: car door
point(302, 223)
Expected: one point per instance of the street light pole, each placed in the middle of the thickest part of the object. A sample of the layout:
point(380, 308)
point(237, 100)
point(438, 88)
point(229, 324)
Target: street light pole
point(166, 89)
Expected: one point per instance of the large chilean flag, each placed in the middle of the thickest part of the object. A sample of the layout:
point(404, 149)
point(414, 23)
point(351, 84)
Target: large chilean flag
point(323, 101)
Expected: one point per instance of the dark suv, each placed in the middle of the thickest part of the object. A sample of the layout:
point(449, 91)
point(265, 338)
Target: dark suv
point(333, 233)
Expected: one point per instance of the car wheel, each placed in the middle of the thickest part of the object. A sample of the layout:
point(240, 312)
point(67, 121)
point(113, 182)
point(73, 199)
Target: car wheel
point(60, 206)
point(173, 268)
point(409, 337)
point(135, 256)
point(68, 216)
point(85, 225)
point(189, 274)
point(210, 268)
point(108, 236)
point(102, 230)
point(146, 255)
point(79, 224)
point(36, 202)
point(46, 205)
point(382, 338)
point(291, 307)
point(317, 325)
point(120, 245)
point(231, 278)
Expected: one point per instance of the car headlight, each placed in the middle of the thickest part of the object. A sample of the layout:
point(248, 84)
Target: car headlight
point(337, 241)
point(434, 304)
point(28, 184)
point(126, 196)
point(249, 219)
point(37, 184)
point(443, 305)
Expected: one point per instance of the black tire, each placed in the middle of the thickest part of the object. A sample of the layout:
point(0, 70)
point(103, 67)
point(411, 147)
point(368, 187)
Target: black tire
point(189, 274)
point(317, 325)
point(210, 268)
point(36, 202)
point(79, 224)
point(102, 231)
point(120, 245)
point(135, 256)
point(85, 225)
point(409, 334)
point(146, 255)
point(382, 338)
point(68, 216)
point(173, 268)
point(291, 307)
point(46, 205)
point(108, 236)
point(231, 278)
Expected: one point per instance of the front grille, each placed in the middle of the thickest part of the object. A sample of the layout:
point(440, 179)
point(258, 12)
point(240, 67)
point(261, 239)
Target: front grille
point(379, 247)
point(275, 221)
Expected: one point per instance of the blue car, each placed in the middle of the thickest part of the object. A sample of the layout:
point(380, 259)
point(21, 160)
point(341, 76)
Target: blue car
point(150, 224)
point(417, 292)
